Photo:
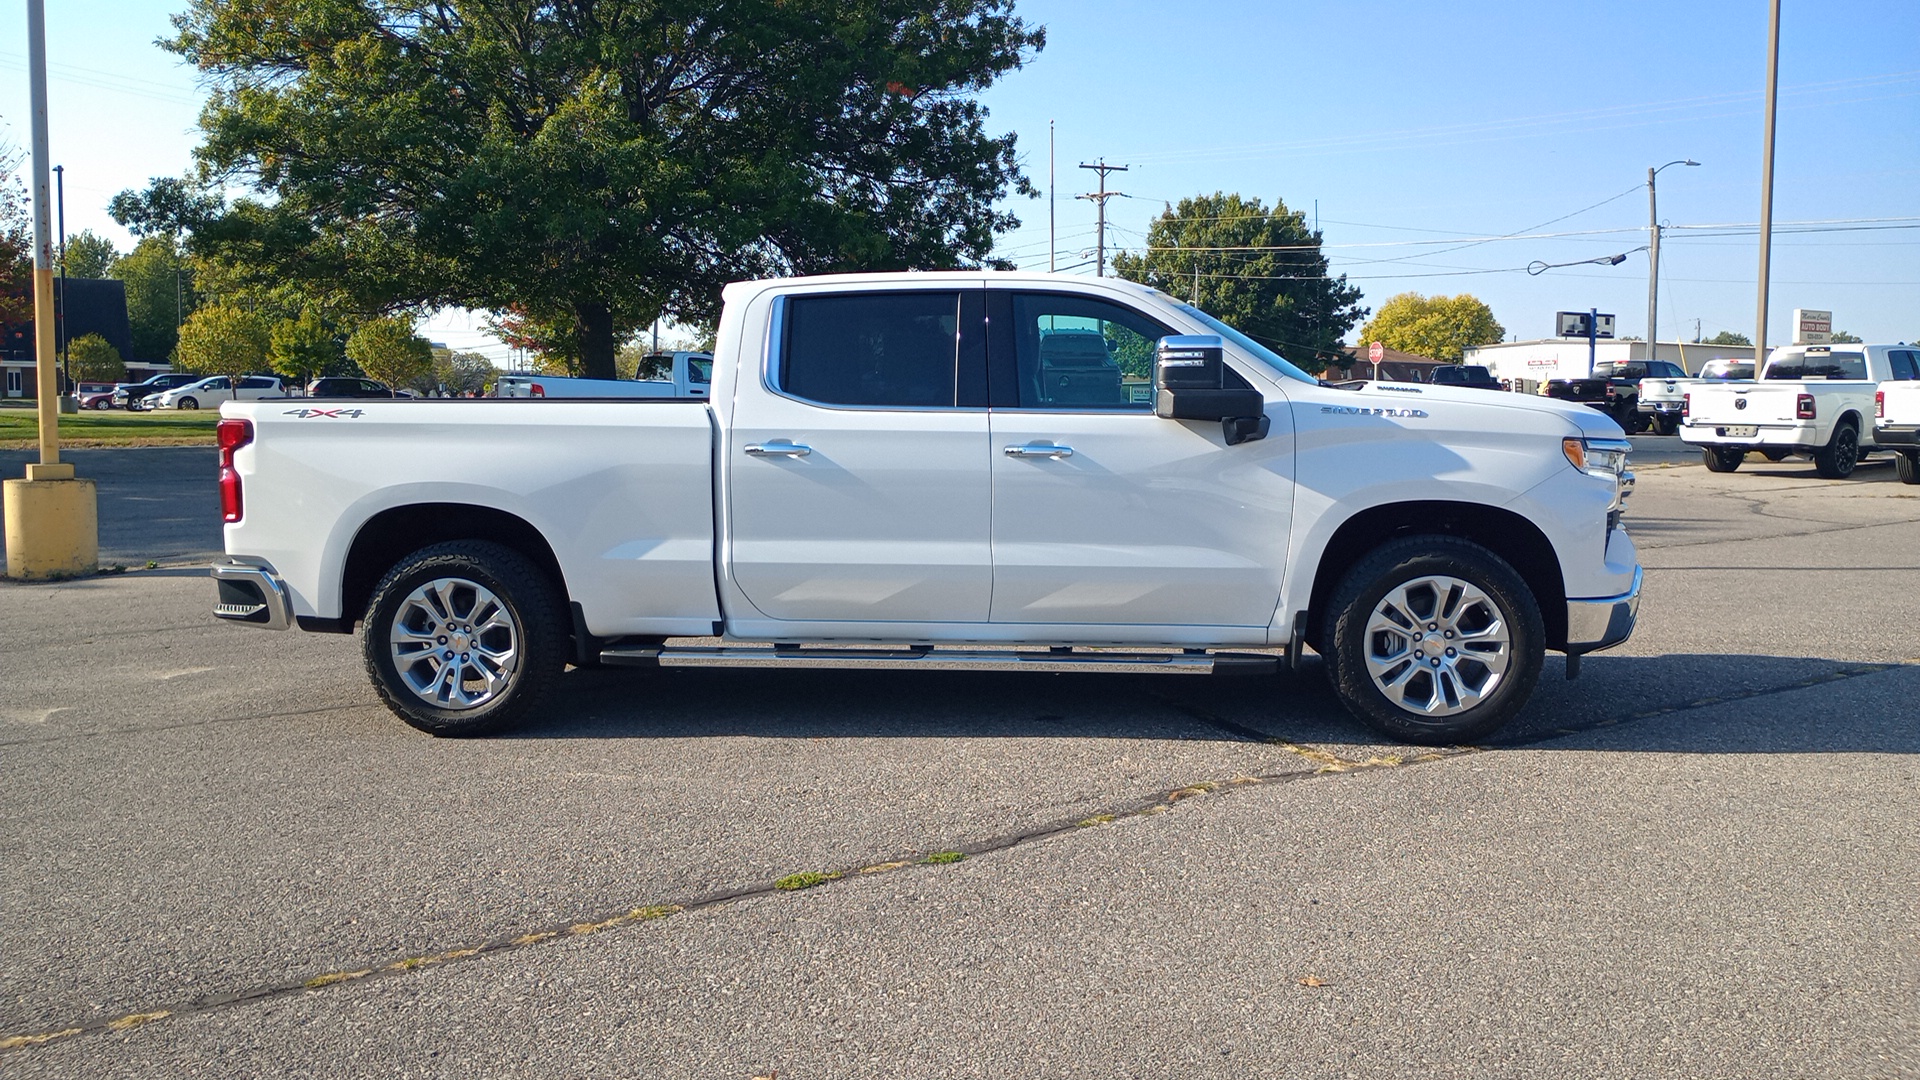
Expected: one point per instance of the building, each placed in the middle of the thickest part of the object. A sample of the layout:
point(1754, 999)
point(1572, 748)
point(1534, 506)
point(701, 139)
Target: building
point(1526, 364)
point(1395, 366)
point(91, 306)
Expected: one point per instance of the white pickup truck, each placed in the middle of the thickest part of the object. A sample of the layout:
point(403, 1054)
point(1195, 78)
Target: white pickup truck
point(659, 375)
point(1661, 397)
point(1815, 400)
point(1896, 411)
point(933, 469)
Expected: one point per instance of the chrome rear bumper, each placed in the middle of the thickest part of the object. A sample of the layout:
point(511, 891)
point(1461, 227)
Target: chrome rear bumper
point(1601, 624)
point(252, 593)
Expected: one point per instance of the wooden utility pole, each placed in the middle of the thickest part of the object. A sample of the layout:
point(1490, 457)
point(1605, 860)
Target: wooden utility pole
point(1099, 199)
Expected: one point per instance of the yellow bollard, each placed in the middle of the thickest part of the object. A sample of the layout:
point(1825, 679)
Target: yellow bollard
point(53, 524)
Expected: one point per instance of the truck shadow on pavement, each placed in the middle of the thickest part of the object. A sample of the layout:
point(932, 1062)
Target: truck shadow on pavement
point(1679, 703)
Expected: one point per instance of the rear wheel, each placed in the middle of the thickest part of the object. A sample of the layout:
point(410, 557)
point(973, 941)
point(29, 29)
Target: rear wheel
point(187, 403)
point(463, 638)
point(1434, 639)
point(1907, 464)
point(1836, 460)
point(1719, 460)
point(1666, 425)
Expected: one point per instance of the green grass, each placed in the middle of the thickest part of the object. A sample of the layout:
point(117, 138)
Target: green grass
point(19, 428)
point(804, 880)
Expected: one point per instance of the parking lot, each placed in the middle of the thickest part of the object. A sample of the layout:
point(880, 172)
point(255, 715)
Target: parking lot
point(225, 858)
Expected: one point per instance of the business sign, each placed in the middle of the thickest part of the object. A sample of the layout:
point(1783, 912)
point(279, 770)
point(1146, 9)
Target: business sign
point(1573, 324)
point(1812, 327)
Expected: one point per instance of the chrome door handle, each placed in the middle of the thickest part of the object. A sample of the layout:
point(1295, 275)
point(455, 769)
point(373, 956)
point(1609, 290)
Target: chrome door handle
point(778, 449)
point(1045, 450)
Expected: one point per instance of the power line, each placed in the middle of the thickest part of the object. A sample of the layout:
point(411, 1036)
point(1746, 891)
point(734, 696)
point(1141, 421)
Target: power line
point(1099, 199)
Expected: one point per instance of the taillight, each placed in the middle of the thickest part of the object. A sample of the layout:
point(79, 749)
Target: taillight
point(1803, 407)
point(1879, 404)
point(1686, 404)
point(537, 391)
point(232, 435)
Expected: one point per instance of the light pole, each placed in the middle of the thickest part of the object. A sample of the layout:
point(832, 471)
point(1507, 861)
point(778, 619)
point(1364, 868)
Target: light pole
point(1653, 260)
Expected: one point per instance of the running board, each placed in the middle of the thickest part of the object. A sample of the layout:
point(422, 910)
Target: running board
point(1194, 662)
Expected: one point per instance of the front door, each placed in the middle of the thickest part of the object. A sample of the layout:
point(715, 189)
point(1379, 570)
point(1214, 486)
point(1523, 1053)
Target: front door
point(859, 473)
point(1105, 514)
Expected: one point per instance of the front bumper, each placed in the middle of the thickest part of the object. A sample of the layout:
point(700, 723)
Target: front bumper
point(1593, 625)
point(251, 592)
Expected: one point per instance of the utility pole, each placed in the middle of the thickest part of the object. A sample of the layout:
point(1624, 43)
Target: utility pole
point(1052, 244)
point(1099, 199)
point(1653, 260)
point(1766, 190)
point(60, 294)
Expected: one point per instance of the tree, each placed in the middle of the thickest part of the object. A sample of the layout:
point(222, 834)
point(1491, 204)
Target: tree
point(1258, 270)
point(160, 294)
point(1841, 337)
point(221, 339)
point(305, 347)
point(1728, 337)
point(389, 350)
point(1440, 327)
point(90, 255)
point(16, 243)
point(464, 373)
point(592, 163)
point(92, 358)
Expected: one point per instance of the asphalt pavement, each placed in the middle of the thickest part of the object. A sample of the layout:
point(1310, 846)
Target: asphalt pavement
point(1699, 859)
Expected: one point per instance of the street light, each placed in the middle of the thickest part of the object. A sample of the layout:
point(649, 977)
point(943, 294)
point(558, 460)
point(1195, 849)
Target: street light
point(1653, 260)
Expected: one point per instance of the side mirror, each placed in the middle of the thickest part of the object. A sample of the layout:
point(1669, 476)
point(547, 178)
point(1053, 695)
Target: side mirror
point(1189, 383)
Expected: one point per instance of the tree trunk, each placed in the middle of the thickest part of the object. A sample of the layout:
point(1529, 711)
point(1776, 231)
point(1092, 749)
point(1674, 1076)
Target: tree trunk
point(596, 339)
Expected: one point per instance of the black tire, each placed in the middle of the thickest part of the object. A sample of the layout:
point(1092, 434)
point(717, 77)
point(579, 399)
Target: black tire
point(530, 627)
point(1835, 461)
point(1718, 460)
point(1366, 591)
point(1907, 465)
point(1666, 425)
point(103, 404)
point(186, 403)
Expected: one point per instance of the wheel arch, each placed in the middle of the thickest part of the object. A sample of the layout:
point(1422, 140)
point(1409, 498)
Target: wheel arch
point(1509, 535)
point(393, 534)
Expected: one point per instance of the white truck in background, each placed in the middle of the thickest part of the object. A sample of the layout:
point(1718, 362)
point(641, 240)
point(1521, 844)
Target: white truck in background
point(921, 470)
point(1896, 411)
point(660, 375)
point(1661, 397)
point(1815, 400)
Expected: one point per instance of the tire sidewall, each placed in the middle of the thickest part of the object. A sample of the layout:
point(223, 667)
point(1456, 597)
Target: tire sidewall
point(1393, 565)
point(531, 603)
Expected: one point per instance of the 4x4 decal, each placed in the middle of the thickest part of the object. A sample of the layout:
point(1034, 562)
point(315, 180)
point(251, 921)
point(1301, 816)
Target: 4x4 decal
point(331, 414)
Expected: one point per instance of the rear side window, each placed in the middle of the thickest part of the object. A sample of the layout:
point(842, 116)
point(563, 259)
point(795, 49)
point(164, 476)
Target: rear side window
point(256, 384)
point(655, 367)
point(1663, 370)
point(896, 350)
point(1905, 365)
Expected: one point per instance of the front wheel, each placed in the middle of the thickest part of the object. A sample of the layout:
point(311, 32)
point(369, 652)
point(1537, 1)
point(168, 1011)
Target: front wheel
point(1907, 464)
point(463, 638)
point(1719, 460)
point(1434, 639)
point(1835, 461)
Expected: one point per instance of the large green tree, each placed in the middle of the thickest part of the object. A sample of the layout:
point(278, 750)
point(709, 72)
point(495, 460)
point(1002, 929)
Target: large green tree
point(1258, 270)
point(305, 347)
point(160, 294)
point(389, 350)
point(1439, 327)
point(92, 358)
point(90, 255)
point(592, 163)
point(1728, 337)
point(222, 339)
point(16, 243)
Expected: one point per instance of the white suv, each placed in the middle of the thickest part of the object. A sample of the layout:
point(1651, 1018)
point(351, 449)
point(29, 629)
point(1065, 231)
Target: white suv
point(212, 391)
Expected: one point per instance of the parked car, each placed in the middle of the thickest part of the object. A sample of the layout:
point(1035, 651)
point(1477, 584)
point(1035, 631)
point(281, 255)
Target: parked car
point(93, 395)
point(1471, 376)
point(348, 387)
point(1816, 400)
point(137, 396)
point(211, 392)
point(1896, 408)
point(883, 460)
point(1661, 397)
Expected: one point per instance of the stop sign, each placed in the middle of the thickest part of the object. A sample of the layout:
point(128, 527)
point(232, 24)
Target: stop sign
point(1376, 352)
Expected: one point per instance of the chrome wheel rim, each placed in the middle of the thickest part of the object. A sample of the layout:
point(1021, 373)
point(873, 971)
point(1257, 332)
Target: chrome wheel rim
point(454, 644)
point(1437, 646)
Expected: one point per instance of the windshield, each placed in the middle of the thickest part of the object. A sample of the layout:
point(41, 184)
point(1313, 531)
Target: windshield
point(1258, 351)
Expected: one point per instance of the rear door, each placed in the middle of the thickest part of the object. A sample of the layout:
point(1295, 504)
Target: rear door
point(858, 472)
point(1103, 513)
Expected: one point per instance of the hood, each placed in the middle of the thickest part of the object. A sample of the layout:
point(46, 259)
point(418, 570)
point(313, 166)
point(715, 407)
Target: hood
point(1587, 422)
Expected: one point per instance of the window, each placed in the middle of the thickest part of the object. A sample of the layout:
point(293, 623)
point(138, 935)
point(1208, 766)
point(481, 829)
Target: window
point(256, 384)
point(655, 367)
point(1840, 365)
point(895, 350)
point(1906, 364)
point(1074, 352)
point(1660, 369)
point(699, 370)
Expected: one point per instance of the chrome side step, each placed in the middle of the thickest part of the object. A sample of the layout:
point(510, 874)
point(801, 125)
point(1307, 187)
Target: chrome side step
point(1192, 662)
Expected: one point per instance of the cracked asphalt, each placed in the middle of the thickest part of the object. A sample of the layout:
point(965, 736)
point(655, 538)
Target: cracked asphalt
point(223, 858)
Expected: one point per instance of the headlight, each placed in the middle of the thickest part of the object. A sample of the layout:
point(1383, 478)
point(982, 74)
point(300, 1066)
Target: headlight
point(1603, 459)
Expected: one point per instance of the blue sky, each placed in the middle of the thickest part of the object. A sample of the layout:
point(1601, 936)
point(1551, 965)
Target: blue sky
point(1421, 129)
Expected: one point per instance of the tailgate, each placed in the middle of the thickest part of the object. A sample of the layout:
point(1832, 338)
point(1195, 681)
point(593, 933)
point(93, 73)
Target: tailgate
point(1660, 390)
point(1744, 403)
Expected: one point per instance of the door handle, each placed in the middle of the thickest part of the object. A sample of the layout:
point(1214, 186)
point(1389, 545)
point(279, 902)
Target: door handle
point(1045, 450)
point(779, 449)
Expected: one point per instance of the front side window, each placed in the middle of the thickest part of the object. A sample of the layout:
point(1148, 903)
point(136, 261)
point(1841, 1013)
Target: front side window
point(897, 350)
point(699, 370)
point(1076, 352)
